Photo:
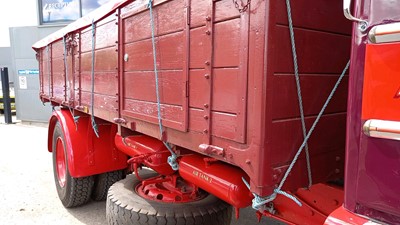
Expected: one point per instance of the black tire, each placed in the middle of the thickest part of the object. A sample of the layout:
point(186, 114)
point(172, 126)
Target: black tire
point(125, 207)
point(103, 182)
point(74, 191)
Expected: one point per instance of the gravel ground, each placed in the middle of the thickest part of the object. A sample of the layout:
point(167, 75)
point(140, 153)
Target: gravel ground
point(27, 190)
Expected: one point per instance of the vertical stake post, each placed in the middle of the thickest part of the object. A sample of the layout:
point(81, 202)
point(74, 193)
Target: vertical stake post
point(5, 86)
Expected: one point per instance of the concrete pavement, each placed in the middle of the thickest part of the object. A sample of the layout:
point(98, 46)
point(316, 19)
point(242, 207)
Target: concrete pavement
point(27, 190)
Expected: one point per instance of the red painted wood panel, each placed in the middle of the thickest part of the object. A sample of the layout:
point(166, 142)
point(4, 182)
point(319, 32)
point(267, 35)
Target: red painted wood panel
point(224, 10)
point(46, 77)
point(223, 125)
point(57, 48)
point(315, 90)
point(58, 78)
point(105, 106)
point(57, 65)
point(169, 53)
point(197, 50)
point(106, 36)
point(225, 90)
point(328, 135)
point(198, 13)
point(104, 83)
point(168, 18)
point(105, 60)
point(225, 86)
point(197, 83)
point(141, 86)
point(226, 43)
point(197, 123)
point(315, 51)
point(317, 15)
point(171, 115)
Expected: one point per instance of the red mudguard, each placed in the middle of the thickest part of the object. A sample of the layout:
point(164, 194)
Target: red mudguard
point(87, 154)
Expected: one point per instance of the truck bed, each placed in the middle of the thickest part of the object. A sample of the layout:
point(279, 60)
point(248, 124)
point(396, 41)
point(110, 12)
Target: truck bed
point(226, 79)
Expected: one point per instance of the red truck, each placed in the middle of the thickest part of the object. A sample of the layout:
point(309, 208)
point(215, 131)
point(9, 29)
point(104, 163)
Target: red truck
point(228, 103)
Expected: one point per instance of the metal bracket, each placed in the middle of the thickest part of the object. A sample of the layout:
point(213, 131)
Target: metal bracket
point(363, 24)
point(212, 150)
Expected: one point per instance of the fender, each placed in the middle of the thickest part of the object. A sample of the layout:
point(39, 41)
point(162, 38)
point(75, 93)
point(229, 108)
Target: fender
point(87, 155)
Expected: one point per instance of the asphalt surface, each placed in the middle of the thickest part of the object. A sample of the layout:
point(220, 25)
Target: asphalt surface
point(27, 190)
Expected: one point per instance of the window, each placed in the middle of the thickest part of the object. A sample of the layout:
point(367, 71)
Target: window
point(64, 11)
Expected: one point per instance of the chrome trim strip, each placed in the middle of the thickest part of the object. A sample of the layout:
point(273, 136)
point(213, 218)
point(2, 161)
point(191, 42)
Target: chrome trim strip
point(385, 33)
point(382, 129)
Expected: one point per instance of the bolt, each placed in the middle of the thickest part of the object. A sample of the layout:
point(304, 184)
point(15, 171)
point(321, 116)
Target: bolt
point(337, 158)
point(207, 76)
point(208, 32)
point(205, 117)
point(208, 18)
point(206, 105)
point(337, 171)
point(248, 162)
point(205, 131)
point(207, 63)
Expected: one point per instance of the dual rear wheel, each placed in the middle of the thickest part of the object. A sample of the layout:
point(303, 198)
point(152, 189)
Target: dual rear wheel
point(124, 205)
point(78, 191)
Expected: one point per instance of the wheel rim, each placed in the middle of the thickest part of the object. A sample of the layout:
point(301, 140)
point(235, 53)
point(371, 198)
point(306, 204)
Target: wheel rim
point(169, 190)
point(60, 162)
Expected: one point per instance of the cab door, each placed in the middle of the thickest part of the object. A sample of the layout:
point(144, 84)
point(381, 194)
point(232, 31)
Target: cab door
point(373, 124)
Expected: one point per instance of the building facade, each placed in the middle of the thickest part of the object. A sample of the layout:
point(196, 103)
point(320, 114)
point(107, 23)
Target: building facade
point(23, 67)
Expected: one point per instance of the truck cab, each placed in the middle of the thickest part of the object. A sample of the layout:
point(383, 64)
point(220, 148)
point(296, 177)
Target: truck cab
point(372, 177)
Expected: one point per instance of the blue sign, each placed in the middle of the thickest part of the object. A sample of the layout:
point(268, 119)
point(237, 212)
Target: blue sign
point(28, 72)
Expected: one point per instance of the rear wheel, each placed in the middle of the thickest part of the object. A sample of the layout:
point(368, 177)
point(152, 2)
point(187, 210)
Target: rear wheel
point(71, 191)
point(125, 206)
point(104, 181)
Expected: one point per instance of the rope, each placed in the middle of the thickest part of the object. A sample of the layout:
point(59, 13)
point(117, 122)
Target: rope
point(299, 96)
point(94, 125)
point(173, 157)
point(296, 157)
point(258, 201)
point(150, 5)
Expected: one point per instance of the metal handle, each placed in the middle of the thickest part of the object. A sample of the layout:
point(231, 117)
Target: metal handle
point(385, 33)
point(382, 129)
point(346, 10)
